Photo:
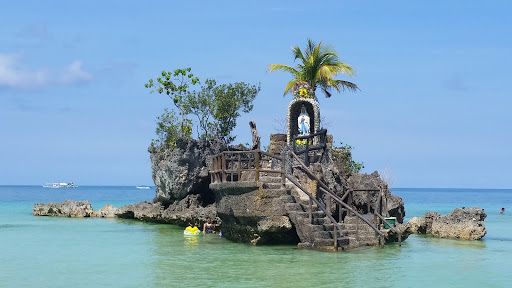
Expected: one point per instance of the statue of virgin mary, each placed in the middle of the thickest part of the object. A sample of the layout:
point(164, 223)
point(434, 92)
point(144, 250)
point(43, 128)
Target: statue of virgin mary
point(303, 122)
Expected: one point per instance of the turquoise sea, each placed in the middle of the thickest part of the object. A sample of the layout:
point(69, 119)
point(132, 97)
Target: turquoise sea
point(65, 252)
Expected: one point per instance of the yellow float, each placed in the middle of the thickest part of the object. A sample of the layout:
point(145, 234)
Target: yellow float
point(191, 231)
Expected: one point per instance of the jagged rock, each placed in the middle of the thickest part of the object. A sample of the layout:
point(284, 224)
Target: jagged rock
point(189, 211)
point(67, 208)
point(108, 211)
point(183, 170)
point(146, 211)
point(464, 224)
point(256, 216)
point(391, 236)
point(417, 225)
point(395, 204)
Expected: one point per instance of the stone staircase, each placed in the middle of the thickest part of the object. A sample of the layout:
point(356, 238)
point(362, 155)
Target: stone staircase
point(319, 233)
point(359, 230)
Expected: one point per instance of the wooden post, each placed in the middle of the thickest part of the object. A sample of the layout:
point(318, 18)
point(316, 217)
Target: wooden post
point(307, 153)
point(340, 209)
point(335, 238)
point(223, 164)
point(328, 203)
point(310, 211)
point(283, 172)
point(368, 200)
point(239, 168)
point(357, 229)
point(257, 166)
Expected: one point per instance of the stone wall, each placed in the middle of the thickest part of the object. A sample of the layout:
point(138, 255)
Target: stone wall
point(276, 142)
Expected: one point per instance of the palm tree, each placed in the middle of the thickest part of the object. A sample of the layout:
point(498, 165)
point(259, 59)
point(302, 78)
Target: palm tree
point(320, 64)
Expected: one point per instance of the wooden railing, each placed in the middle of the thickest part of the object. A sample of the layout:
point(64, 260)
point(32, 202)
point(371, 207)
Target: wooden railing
point(234, 166)
point(315, 141)
point(337, 226)
point(340, 201)
point(377, 211)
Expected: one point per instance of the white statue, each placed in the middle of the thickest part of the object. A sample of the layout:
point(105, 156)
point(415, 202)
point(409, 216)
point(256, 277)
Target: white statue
point(303, 122)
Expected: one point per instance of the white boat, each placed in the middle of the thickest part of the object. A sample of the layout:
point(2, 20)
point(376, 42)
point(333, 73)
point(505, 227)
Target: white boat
point(142, 187)
point(60, 185)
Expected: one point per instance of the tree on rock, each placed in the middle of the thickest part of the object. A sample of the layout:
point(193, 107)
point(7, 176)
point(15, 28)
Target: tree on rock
point(216, 107)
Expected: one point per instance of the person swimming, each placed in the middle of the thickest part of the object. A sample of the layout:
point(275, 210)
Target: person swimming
point(502, 211)
point(209, 227)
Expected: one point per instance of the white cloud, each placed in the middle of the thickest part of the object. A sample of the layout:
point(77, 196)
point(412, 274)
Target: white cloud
point(73, 73)
point(15, 75)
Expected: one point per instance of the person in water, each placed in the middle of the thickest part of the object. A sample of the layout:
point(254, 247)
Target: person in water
point(502, 211)
point(209, 227)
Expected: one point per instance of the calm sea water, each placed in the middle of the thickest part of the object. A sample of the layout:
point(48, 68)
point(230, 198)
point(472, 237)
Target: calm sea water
point(65, 252)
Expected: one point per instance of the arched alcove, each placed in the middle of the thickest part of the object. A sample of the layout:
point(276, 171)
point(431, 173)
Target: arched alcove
point(293, 114)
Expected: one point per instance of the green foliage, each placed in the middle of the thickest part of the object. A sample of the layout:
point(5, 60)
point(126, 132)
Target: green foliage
point(229, 100)
point(201, 104)
point(175, 85)
point(168, 129)
point(216, 107)
point(317, 67)
point(343, 159)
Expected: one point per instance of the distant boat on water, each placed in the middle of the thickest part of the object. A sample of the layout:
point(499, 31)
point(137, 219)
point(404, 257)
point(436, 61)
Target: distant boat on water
point(60, 185)
point(142, 187)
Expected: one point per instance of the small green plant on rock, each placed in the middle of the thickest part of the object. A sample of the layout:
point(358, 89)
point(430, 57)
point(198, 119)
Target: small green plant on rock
point(343, 158)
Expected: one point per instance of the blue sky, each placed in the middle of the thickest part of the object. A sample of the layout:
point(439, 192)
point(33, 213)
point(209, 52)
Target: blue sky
point(434, 77)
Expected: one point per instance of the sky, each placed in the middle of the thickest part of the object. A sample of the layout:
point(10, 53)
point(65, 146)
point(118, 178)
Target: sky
point(432, 110)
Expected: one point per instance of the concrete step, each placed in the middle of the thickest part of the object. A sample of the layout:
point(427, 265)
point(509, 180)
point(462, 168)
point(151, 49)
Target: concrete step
point(278, 191)
point(368, 241)
point(346, 243)
point(320, 221)
point(362, 227)
point(271, 186)
point(293, 207)
point(320, 242)
point(343, 241)
point(355, 219)
point(315, 214)
point(328, 234)
point(270, 179)
point(287, 199)
point(315, 228)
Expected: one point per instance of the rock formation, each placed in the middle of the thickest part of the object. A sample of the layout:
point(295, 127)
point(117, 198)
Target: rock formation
point(464, 224)
point(108, 211)
point(183, 170)
point(184, 212)
point(395, 205)
point(67, 208)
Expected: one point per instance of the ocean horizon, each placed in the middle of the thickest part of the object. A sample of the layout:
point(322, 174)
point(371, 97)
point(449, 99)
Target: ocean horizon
point(91, 252)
